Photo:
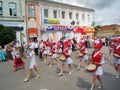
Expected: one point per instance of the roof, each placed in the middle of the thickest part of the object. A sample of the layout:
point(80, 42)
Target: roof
point(63, 4)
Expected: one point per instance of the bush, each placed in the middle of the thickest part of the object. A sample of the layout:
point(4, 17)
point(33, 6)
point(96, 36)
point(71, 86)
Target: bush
point(6, 35)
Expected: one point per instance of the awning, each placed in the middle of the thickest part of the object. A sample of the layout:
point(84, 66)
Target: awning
point(80, 30)
point(90, 30)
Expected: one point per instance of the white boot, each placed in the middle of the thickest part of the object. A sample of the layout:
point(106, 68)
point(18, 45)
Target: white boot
point(92, 87)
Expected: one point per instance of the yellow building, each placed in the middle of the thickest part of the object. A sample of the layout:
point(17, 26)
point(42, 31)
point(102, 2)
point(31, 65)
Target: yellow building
point(109, 30)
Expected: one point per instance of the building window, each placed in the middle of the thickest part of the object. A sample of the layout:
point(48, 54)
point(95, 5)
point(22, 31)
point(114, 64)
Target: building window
point(31, 11)
point(83, 17)
point(45, 13)
point(66, 35)
point(88, 18)
point(12, 9)
point(55, 13)
point(63, 14)
point(1, 8)
point(77, 16)
point(70, 15)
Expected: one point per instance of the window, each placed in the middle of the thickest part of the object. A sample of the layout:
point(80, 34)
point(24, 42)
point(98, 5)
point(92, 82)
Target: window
point(63, 14)
point(12, 9)
point(45, 13)
point(31, 11)
point(1, 8)
point(77, 16)
point(83, 17)
point(55, 13)
point(66, 35)
point(70, 15)
point(88, 18)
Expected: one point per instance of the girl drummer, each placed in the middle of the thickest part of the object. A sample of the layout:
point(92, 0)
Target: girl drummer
point(33, 64)
point(44, 52)
point(54, 54)
point(111, 48)
point(67, 53)
point(116, 57)
point(98, 60)
point(83, 54)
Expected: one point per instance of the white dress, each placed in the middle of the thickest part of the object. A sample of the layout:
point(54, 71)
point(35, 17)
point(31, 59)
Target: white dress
point(69, 59)
point(99, 70)
point(115, 59)
point(32, 59)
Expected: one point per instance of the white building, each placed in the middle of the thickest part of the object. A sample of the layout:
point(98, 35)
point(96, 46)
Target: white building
point(12, 14)
point(56, 19)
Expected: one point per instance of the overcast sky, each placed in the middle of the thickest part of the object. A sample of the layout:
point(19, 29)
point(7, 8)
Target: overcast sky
point(106, 11)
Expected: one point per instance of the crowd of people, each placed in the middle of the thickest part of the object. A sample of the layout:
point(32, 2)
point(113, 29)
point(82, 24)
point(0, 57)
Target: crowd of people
point(61, 51)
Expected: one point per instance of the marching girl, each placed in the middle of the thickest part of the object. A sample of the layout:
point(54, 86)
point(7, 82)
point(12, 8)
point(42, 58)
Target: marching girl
point(40, 49)
point(18, 62)
point(54, 54)
point(116, 57)
point(44, 52)
point(67, 53)
point(98, 60)
point(83, 55)
point(33, 65)
point(48, 46)
point(59, 48)
point(111, 48)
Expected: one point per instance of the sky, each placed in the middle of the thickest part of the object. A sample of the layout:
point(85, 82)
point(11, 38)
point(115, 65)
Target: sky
point(106, 11)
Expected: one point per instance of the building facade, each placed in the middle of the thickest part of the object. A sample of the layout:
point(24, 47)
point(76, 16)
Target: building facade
point(109, 30)
point(12, 14)
point(56, 20)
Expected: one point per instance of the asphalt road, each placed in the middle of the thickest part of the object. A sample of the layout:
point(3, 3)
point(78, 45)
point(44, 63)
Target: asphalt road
point(79, 80)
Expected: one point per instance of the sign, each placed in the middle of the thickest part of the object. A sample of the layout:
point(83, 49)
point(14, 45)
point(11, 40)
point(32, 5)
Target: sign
point(32, 32)
point(51, 21)
point(58, 28)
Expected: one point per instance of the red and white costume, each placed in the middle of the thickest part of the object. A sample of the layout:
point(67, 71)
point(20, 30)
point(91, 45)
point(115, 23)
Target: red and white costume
point(112, 45)
point(54, 50)
point(98, 60)
point(116, 55)
point(48, 46)
point(83, 51)
point(67, 53)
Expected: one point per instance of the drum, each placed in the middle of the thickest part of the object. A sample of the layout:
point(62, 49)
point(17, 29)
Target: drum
point(62, 58)
point(80, 54)
point(91, 67)
point(50, 54)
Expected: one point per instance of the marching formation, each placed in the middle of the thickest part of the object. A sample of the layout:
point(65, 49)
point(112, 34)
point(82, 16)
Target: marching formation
point(60, 52)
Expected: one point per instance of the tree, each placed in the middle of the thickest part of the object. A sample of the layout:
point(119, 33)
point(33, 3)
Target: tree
point(6, 35)
point(97, 28)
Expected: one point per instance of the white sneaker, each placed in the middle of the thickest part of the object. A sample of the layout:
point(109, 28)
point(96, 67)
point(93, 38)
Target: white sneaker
point(45, 61)
point(37, 77)
point(100, 86)
point(50, 65)
point(70, 73)
point(117, 76)
point(60, 74)
point(25, 80)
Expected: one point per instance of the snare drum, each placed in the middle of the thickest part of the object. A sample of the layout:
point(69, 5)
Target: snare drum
point(50, 54)
point(80, 54)
point(91, 67)
point(62, 58)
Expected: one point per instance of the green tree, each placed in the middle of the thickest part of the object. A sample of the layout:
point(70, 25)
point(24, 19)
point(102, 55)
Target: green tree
point(6, 35)
point(97, 28)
